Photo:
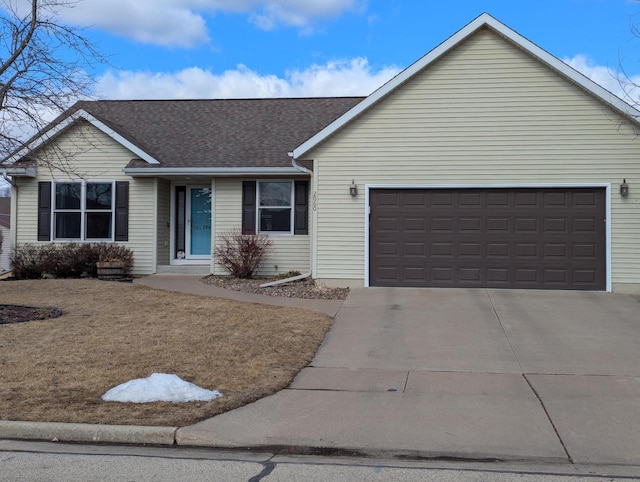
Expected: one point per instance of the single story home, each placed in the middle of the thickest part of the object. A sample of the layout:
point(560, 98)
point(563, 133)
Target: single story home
point(486, 163)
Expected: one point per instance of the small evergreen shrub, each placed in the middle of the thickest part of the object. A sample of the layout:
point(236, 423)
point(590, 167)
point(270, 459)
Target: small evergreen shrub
point(241, 254)
point(66, 260)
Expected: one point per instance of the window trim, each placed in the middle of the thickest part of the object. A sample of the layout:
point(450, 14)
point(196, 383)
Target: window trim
point(291, 208)
point(83, 210)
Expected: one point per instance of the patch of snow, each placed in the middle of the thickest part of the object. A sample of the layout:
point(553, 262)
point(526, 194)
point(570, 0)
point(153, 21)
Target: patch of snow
point(159, 387)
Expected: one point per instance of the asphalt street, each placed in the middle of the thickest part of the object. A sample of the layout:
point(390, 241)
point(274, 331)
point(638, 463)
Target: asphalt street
point(44, 461)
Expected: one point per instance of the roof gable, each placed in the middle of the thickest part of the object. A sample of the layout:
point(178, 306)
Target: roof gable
point(70, 120)
point(483, 21)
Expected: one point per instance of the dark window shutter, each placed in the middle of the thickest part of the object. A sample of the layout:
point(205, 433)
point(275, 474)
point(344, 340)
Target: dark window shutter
point(122, 211)
point(301, 216)
point(44, 211)
point(248, 207)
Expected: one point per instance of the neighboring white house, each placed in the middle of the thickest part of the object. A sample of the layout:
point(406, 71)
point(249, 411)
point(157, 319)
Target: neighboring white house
point(486, 163)
point(5, 233)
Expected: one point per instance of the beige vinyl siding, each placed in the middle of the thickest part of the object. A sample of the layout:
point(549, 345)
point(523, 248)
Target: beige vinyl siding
point(96, 156)
point(288, 252)
point(164, 216)
point(485, 113)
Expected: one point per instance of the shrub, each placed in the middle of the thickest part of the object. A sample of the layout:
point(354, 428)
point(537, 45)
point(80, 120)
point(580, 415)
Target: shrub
point(25, 262)
point(68, 260)
point(241, 254)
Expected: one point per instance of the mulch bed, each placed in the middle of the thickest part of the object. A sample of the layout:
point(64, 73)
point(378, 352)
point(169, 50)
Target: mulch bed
point(306, 288)
point(20, 313)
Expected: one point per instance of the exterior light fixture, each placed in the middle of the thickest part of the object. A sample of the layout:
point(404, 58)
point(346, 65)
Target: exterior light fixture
point(624, 188)
point(353, 189)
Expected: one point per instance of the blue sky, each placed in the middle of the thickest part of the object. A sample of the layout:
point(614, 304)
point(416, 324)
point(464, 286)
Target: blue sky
point(264, 48)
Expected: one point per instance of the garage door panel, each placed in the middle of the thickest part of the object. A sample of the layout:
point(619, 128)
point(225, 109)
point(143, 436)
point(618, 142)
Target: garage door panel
point(441, 198)
point(498, 198)
point(442, 250)
point(555, 225)
point(471, 199)
point(504, 238)
point(498, 224)
point(526, 199)
point(470, 224)
point(526, 225)
point(470, 250)
point(554, 199)
point(556, 250)
point(415, 224)
point(442, 224)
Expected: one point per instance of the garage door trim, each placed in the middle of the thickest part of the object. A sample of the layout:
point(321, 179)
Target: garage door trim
point(606, 186)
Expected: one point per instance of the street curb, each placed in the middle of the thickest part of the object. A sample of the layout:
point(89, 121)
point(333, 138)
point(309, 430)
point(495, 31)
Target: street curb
point(81, 432)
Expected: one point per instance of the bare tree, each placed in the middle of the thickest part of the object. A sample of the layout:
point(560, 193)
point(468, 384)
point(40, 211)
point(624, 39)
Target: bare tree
point(44, 68)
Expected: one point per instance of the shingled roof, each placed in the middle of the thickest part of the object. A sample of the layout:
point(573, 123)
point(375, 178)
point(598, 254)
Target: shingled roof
point(251, 133)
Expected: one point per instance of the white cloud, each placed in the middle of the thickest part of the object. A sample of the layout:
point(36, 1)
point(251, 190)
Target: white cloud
point(182, 22)
point(612, 80)
point(337, 78)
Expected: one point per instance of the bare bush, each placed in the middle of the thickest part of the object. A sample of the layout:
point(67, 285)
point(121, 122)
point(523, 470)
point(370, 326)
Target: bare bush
point(241, 254)
point(69, 260)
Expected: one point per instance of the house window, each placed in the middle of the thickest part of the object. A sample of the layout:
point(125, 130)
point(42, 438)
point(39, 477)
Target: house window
point(275, 207)
point(83, 211)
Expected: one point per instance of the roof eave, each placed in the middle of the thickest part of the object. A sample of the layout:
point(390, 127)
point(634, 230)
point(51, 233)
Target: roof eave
point(12, 171)
point(484, 20)
point(212, 171)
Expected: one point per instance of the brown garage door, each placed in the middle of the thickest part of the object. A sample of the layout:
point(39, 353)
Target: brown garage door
point(498, 238)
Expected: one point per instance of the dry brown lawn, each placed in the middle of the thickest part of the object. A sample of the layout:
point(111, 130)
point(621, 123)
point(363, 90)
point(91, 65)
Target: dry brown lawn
point(56, 370)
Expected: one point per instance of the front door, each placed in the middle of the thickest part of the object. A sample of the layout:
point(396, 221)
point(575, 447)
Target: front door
point(198, 223)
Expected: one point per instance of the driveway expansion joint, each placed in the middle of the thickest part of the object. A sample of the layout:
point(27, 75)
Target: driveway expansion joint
point(495, 312)
point(553, 425)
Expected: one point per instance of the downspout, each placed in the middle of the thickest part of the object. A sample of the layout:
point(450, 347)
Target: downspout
point(286, 280)
point(297, 166)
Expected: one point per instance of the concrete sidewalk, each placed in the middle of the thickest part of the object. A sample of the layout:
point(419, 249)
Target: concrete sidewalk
point(471, 374)
point(191, 284)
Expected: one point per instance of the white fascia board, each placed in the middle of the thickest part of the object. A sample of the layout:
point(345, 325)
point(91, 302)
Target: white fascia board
point(19, 171)
point(483, 20)
point(64, 124)
point(212, 171)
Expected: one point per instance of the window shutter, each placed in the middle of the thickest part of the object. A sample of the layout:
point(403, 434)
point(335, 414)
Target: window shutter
point(248, 207)
point(122, 211)
point(44, 211)
point(301, 216)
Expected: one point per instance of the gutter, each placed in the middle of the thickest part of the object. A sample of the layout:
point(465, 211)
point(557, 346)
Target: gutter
point(211, 171)
point(18, 171)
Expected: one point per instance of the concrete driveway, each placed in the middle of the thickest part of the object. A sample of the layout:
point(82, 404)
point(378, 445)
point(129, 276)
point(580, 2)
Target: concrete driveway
point(477, 374)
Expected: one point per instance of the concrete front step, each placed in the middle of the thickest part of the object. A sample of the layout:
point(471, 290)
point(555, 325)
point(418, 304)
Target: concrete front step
point(202, 269)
